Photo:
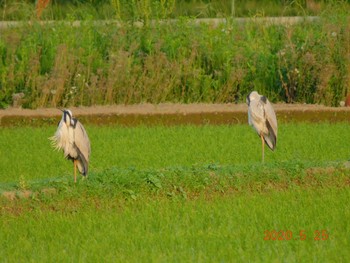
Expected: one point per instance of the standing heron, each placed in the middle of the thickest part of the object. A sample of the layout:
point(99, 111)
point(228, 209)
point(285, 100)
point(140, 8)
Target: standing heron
point(263, 118)
point(72, 138)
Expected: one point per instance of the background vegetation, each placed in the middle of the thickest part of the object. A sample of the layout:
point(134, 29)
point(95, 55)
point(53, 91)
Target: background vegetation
point(125, 9)
point(59, 64)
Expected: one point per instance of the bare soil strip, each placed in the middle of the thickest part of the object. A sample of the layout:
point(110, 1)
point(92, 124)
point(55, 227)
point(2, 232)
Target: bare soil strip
point(171, 114)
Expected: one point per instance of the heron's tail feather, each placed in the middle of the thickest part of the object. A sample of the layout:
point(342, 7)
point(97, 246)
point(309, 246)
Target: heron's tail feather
point(83, 164)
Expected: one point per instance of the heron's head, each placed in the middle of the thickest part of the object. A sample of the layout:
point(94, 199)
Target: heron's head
point(252, 96)
point(67, 117)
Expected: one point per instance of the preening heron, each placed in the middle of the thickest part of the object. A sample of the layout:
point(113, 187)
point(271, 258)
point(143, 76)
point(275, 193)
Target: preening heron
point(263, 118)
point(72, 138)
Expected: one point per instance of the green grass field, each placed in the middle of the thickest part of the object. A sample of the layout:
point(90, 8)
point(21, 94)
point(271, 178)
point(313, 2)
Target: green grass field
point(227, 228)
point(26, 152)
point(178, 194)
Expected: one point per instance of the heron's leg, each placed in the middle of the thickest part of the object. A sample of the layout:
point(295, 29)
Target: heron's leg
point(263, 147)
point(75, 171)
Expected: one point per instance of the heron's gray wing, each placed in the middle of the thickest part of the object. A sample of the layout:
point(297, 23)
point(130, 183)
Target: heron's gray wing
point(271, 124)
point(82, 143)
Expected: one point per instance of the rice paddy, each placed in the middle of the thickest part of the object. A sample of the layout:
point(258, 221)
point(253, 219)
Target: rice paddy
point(180, 193)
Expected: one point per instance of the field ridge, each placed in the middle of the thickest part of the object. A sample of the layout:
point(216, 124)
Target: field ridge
point(186, 181)
point(171, 114)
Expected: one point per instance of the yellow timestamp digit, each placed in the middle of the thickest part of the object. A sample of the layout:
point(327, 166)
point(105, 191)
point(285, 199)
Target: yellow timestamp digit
point(321, 235)
point(302, 235)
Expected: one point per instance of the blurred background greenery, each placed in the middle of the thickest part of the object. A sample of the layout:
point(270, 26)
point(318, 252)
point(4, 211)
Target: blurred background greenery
point(129, 9)
point(158, 60)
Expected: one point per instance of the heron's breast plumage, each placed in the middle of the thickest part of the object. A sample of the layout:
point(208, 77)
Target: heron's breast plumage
point(64, 140)
point(257, 120)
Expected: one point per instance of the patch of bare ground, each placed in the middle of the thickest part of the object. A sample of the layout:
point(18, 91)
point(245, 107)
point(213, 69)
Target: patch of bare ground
point(26, 194)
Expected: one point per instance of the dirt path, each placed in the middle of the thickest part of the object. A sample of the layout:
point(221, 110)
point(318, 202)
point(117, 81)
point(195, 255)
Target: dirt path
point(166, 108)
point(172, 114)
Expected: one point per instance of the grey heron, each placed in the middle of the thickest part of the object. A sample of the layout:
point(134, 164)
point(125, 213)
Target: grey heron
point(72, 138)
point(263, 119)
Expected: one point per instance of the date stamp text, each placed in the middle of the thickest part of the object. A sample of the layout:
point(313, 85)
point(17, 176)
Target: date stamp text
point(317, 235)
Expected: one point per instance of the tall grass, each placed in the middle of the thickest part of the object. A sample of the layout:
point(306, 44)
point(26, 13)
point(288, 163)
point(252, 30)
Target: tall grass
point(61, 65)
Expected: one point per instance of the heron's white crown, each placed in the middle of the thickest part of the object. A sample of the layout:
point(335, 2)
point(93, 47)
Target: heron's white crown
point(254, 95)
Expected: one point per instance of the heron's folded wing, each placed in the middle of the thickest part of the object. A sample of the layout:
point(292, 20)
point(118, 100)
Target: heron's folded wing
point(81, 140)
point(271, 116)
point(271, 124)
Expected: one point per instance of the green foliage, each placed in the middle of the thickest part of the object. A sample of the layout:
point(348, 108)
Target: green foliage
point(144, 9)
point(175, 61)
